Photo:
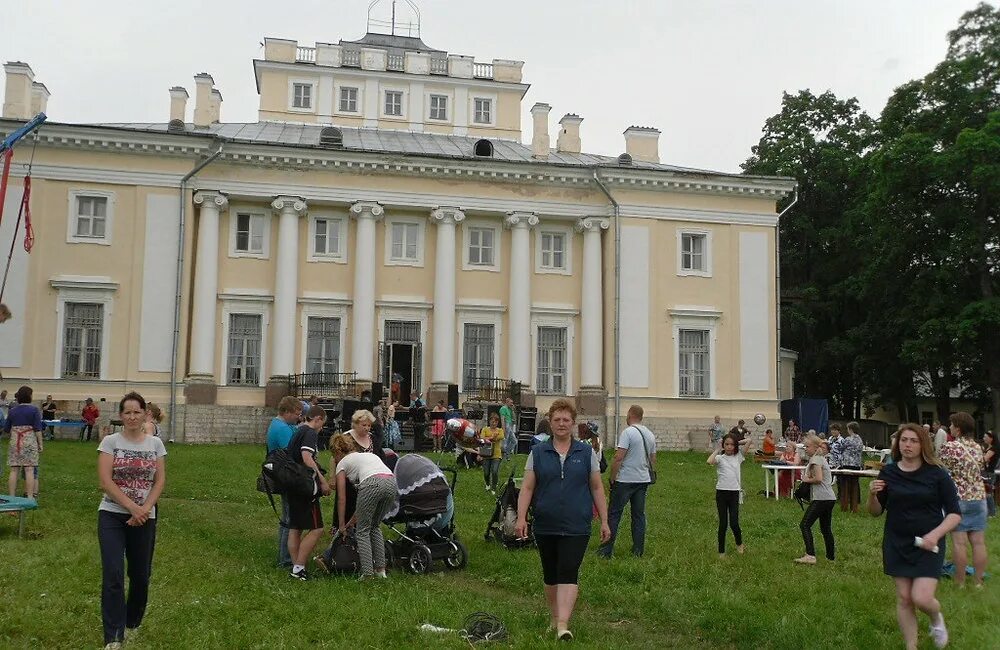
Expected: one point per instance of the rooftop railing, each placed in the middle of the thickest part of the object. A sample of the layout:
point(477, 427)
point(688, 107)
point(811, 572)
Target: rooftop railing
point(482, 70)
point(305, 55)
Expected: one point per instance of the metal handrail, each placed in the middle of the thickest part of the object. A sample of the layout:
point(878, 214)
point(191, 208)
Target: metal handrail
point(323, 384)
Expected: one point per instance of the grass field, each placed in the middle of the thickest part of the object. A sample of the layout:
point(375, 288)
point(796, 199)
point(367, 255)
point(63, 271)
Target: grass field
point(214, 584)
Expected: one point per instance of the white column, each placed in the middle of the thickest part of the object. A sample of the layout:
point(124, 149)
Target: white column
point(592, 312)
point(206, 283)
point(286, 283)
point(443, 366)
point(363, 311)
point(519, 337)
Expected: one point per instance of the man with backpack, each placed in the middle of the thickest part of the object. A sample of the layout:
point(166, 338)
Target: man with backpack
point(279, 434)
point(633, 470)
point(305, 519)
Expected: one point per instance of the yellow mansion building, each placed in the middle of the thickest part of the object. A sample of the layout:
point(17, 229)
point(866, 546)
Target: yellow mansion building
point(386, 218)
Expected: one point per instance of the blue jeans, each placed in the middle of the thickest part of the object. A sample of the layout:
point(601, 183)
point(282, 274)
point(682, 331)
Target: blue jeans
point(623, 494)
point(284, 557)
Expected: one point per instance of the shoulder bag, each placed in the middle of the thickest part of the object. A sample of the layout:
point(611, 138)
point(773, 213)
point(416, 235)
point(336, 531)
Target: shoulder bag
point(645, 446)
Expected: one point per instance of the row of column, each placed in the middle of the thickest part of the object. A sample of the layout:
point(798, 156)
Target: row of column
point(367, 213)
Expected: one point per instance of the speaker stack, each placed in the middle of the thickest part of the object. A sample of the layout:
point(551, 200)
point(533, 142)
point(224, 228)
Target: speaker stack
point(453, 396)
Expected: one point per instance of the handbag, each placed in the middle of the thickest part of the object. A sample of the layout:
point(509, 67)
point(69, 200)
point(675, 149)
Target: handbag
point(645, 446)
point(604, 463)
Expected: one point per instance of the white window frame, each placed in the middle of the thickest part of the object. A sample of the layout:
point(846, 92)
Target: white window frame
point(419, 223)
point(73, 214)
point(567, 233)
point(94, 290)
point(255, 211)
point(542, 317)
point(476, 315)
point(357, 104)
point(339, 256)
point(312, 95)
point(492, 99)
point(430, 107)
point(404, 98)
point(478, 224)
point(695, 318)
point(707, 257)
point(256, 305)
point(322, 311)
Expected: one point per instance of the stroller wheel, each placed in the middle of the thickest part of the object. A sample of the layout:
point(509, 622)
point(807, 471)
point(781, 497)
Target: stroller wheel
point(420, 559)
point(459, 556)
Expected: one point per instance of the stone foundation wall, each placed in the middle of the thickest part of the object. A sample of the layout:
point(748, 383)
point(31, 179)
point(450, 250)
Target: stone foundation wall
point(682, 434)
point(221, 424)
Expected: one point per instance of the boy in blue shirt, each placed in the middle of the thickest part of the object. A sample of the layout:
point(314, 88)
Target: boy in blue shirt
point(279, 434)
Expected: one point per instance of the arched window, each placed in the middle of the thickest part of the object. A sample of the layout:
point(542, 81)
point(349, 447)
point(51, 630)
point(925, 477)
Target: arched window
point(331, 137)
point(484, 148)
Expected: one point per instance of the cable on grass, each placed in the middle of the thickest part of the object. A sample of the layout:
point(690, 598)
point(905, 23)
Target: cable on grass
point(482, 626)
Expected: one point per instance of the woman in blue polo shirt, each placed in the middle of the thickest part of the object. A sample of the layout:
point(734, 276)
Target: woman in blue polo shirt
point(562, 484)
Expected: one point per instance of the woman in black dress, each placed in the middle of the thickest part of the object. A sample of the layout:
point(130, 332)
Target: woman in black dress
point(923, 508)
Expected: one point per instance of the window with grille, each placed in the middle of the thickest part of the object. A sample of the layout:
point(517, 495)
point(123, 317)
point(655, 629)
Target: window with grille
point(693, 363)
point(323, 345)
point(349, 100)
point(326, 237)
point(404, 242)
point(249, 233)
point(244, 349)
point(693, 252)
point(439, 107)
point(551, 360)
point(553, 250)
point(83, 331)
point(482, 111)
point(394, 102)
point(302, 96)
point(477, 359)
point(481, 251)
point(91, 216)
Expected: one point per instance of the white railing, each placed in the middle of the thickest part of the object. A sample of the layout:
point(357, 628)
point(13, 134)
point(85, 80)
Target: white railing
point(351, 58)
point(482, 70)
point(439, 66)
point(396, 62)
point(305, 55)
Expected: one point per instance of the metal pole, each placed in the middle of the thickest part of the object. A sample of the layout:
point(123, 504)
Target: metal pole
point(617, 298)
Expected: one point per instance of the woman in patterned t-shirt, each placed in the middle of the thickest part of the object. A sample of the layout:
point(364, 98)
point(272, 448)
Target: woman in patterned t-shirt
point(963, 458)
point(132, 472)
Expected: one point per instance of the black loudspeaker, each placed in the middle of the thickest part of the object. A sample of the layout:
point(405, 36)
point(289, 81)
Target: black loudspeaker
point(350, 406)
point(376, 392)
point(453, 395)
point(527, 420)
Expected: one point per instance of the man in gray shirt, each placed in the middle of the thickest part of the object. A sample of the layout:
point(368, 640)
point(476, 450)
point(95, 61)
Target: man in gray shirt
point(635, 455)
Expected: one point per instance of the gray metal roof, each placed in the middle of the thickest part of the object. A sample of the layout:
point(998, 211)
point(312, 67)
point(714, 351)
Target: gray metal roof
point(399, 142)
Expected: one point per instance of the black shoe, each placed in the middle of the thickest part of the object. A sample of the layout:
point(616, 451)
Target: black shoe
point(299, 575)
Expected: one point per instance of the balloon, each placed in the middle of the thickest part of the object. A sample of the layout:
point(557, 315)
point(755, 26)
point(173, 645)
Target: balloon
point(759, 419)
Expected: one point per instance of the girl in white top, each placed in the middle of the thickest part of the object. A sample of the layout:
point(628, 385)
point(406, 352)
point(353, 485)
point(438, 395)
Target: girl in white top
point(376, 495)
point(727, 459)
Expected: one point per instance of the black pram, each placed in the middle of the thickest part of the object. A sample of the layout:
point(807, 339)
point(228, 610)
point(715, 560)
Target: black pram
point(501, 524)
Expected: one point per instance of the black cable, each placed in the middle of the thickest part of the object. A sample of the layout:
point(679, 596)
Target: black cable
point(481, 626)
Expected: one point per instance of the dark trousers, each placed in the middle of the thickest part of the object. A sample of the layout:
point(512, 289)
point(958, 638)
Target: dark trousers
point(491, 472)
point(561, 557)
point(122, 544)
point(623, 494)
point(822, 510)
point(284, 557)
point(86, 431)
point(728, 504)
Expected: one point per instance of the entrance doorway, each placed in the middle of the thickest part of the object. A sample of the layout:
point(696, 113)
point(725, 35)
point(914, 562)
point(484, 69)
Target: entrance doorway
point(400, 359)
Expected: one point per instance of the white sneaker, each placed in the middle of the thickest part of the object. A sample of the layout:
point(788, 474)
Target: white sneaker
point(114, 645)
point(939, 634)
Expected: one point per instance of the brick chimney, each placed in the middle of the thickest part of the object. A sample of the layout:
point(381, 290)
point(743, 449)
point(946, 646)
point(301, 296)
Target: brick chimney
point(643, 143)
point(18, 92)
point(39, 98)
point(540, 130)
point(216, 105)
point(178, 103)
point(203, 85)
point(569, 135)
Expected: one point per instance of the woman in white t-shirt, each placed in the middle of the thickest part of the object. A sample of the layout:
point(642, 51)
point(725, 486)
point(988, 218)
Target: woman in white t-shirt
point(727, 459)
point(132, 471)
point(377, 491)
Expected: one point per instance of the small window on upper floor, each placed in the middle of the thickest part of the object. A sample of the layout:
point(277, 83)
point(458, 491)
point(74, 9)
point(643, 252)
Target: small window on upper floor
point(439, 107)
point(348, 100)
point(394, 103)
point(482, 112)
point(694, 252)
point(250, 233)
point(302, 96)
point(91, 217)
point(553, 250)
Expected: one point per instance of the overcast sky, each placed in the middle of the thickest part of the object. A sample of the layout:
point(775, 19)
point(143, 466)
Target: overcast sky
point(707, 73)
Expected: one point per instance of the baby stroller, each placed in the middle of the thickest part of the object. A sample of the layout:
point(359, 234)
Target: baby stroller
point(423, 522)
point(501, 524)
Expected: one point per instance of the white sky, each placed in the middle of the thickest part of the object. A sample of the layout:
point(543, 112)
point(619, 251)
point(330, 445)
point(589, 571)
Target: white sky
point(707, 73)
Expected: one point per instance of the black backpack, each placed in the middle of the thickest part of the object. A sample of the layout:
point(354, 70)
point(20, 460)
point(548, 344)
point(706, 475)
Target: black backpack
point(282, 475)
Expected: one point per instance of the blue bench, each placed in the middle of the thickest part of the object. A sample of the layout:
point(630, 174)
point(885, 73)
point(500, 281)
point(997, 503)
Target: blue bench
point(19, 505)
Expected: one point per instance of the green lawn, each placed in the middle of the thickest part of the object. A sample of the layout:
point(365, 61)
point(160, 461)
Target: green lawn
point(214, 585)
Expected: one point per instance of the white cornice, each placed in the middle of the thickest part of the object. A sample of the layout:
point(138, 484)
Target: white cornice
point(246, 295)
point(554, 309)
point(93, 283)
point(397, 302)
point(694, 311)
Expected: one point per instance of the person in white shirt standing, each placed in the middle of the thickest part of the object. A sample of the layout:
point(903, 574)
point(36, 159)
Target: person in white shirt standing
point(940, 437)
point(632, 472)
point(727, 458)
